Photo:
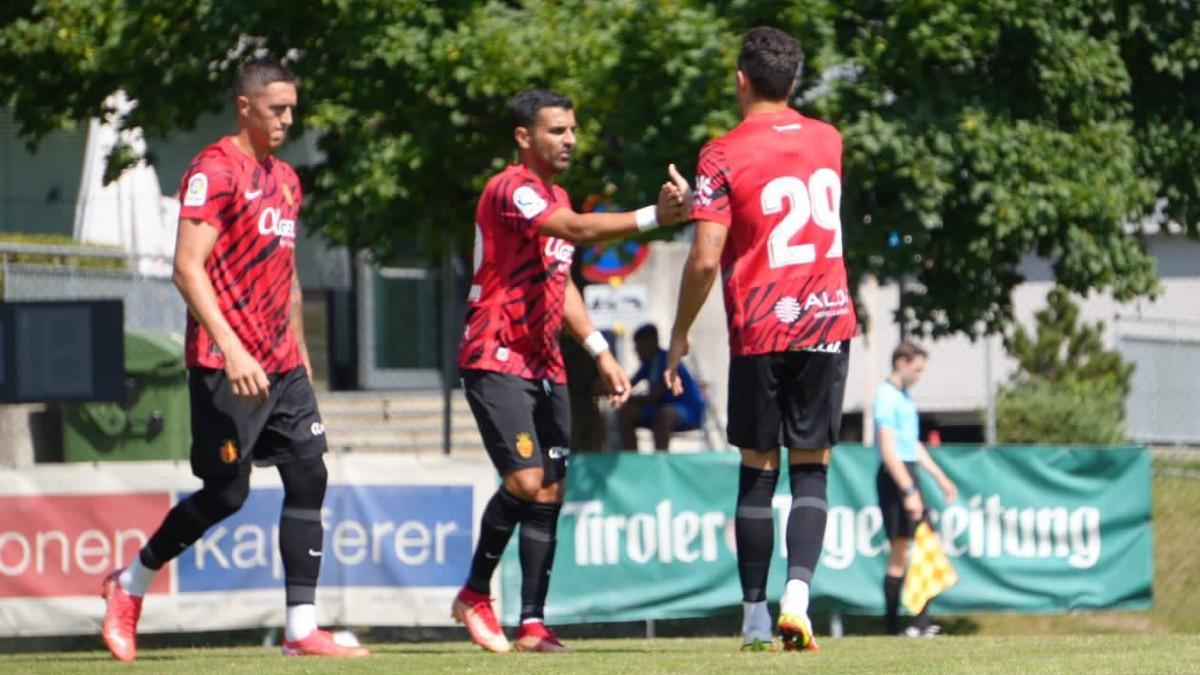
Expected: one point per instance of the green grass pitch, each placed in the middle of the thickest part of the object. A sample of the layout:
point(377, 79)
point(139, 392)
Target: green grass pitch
point(972, 654)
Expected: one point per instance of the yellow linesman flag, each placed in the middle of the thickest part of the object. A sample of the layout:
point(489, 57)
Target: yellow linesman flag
point(929, 572)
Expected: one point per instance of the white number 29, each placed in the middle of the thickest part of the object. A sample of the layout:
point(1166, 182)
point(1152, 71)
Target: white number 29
point(820, 200)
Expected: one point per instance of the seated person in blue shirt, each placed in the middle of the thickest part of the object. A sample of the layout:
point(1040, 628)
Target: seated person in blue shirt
point(659, 410)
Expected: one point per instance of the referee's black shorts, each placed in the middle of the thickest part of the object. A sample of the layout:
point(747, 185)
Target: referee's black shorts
point(896, 521)
point(792, 399)
point(229, 432)
point(524, 423)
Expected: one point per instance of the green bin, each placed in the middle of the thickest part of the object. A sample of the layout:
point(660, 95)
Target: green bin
point(152, 422)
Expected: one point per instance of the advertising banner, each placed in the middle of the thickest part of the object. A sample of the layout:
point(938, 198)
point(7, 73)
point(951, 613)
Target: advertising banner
point(1035, 529)
point(398, 538)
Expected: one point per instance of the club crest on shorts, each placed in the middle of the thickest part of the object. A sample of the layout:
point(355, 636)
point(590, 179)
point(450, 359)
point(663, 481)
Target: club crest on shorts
point(229, 451)
point(524, 445)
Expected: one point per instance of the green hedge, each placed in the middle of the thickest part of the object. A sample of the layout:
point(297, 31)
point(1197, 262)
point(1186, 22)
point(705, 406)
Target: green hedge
point(1038, 411)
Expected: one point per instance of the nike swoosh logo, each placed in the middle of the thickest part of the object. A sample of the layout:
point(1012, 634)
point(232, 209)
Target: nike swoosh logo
point(315, 554)
point(489, 556)
point(795, 126)
point(252, 195)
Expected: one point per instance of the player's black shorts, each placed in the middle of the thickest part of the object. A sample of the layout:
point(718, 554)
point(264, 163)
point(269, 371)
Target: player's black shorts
point(896, 521)
point(791, 399)
point(228, 432)
point(524, 423)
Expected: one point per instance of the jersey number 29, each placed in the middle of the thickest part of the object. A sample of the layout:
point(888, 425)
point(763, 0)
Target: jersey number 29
point(820, 200)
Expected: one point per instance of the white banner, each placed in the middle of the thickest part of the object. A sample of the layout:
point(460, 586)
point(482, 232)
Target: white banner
point(399, 532)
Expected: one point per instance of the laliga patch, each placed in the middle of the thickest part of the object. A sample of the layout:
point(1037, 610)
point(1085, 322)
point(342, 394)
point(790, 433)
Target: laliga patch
point(524, 445)
point(197, 191)
point(528, 201)
point(229, 452)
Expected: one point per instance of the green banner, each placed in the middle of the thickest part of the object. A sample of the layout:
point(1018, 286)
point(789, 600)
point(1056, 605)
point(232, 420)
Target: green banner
point(1035, 529)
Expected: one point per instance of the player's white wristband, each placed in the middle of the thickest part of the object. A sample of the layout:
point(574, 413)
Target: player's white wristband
point(595, 344)
point(647, 218)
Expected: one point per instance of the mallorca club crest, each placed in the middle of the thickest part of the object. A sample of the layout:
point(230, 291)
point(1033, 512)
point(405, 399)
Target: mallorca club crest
point(524, 445)
point(229, 451)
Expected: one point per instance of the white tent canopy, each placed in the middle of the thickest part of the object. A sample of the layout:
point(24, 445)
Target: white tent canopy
point(131, 212)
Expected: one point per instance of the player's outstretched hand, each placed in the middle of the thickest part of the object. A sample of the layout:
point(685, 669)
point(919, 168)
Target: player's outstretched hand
point(246, 376)
point(679, 347)
point(674, 199)
point(614, 378)
point(681, 184)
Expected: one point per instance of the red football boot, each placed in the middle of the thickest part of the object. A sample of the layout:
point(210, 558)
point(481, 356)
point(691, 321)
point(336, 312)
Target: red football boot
point(536, 637)
point(321, 643)
point(474, 610)
point(120, 619)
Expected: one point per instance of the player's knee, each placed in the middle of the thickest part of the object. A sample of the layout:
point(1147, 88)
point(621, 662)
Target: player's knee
point(221, 498)
point(551, 493)
point(304, 482)
point(525, 484)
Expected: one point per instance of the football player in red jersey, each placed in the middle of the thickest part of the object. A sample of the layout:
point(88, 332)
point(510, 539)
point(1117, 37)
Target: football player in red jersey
point(521, 298)
point(252, 400)
point(767, 217)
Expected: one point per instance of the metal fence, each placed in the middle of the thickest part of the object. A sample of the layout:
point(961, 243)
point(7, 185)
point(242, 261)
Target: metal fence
point(1163, 404)
point(151, 302)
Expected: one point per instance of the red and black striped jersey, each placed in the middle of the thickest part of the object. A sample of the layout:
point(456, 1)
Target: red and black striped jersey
point(775, 181)
point(254, 206)
point(515, 306)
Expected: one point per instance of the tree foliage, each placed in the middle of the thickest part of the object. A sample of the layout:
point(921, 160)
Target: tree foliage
point(1067, 388)
point(977, 132)
point(1065, 350)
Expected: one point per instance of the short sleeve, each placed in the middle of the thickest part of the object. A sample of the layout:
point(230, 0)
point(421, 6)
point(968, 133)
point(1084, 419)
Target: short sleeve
point(524, 206)
point(205, 192)
point(884, 410)
point(712, 186)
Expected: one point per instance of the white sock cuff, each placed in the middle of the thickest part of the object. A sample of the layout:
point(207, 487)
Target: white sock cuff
point(136, 578)
point(301, 622)
point(795, 597)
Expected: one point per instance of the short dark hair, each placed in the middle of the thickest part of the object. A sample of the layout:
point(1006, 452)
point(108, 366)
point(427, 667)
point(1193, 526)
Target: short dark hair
point(907, 351)
point(647, 330)
point(258, 73)
point(525, 106)
point(771, 60)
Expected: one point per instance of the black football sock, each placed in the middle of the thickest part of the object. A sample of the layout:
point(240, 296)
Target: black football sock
point(806, 522)
point(891, 601)
point(301, 536)
point(537, 544)
point(922, 621)
point(504, 510)
point(754, 530)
